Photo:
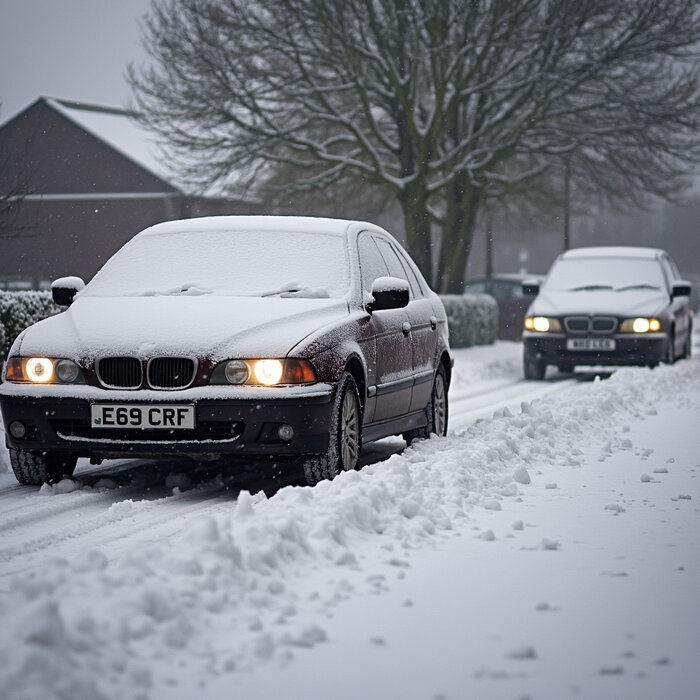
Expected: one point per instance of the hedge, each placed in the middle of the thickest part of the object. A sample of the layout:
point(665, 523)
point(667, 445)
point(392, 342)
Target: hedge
point(473, 319)
point(19, 310)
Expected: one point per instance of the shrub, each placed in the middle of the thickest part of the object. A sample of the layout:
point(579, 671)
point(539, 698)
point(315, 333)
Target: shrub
point(473, 319)
point(19, 310)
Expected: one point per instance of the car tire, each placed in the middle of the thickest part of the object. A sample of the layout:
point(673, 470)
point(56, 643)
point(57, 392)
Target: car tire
point(670, 350)
point(345, 441)
point(35, 468)
point(436, 412)
point(688, 347)
point(533, 368)
point(565, 368)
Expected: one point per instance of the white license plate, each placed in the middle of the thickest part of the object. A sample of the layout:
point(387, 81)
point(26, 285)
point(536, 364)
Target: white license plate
point(602, 344)
point(152, 416)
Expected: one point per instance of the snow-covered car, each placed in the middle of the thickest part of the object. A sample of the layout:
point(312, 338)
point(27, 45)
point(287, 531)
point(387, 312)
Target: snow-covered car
point(294, 336)
point(609, 305)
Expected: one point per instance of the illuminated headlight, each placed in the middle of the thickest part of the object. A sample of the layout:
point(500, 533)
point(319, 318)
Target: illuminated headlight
point(43, 370)
point(266, 372)
point(39, 370)
point(640, 325)
point(542, 324)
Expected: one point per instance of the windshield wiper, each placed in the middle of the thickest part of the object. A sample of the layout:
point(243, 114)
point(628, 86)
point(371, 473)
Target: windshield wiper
point(637, 286)
point(591, 287)
point(299, 291)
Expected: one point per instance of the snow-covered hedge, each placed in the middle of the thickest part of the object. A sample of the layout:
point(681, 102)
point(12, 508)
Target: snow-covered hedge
point(19, 310)
point(473, 319)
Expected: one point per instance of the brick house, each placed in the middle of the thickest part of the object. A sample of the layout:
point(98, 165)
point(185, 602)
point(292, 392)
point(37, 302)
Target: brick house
point(76, 182)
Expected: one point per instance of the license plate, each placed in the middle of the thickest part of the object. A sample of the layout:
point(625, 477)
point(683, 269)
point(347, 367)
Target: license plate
point(601, 344)
point(151, 416)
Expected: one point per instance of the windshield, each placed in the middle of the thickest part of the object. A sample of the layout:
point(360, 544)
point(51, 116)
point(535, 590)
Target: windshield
point(250, 263)
point(592, 274)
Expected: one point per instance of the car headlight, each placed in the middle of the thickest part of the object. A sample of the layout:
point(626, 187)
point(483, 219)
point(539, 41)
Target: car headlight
point(542, 324)
point(640, 325)
point(43, 370)
point(265, 372)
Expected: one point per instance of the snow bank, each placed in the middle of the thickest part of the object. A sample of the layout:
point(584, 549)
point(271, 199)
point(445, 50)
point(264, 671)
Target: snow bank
point(241, 588)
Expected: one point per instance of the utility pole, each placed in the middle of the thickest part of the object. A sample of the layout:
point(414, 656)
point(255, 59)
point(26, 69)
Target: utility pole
point(489, 252)
point(567, 201)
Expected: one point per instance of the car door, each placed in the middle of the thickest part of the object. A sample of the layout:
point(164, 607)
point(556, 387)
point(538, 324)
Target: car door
point(423, 330)
point(392, 382)
point(680, 306)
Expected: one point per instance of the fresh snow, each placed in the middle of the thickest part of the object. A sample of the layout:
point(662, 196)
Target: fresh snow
point(546, 549)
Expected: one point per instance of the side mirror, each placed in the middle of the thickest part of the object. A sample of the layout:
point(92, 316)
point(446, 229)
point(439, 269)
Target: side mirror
point(388, 293)
point(681, 289)
point(64, 289)
point(531, 288)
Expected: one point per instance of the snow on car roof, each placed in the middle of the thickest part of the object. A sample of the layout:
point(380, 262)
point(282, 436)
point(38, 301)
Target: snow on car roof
point(612, 251)
point(307, 224)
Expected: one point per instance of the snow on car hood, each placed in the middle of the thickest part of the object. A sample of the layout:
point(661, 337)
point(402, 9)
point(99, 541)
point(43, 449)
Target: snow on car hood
point(636, 302)
point(204, 326)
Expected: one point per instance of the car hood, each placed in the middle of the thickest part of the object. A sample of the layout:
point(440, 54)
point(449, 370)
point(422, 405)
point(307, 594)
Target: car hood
point(218, 327)
point(638, 302)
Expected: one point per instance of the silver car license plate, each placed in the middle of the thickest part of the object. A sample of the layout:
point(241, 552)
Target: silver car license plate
point(151, 416)
point(600, 344)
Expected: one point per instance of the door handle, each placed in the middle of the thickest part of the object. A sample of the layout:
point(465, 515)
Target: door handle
point(433, 323)
point(406, 328)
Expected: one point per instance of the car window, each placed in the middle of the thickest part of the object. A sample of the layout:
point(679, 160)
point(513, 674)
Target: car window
point(504, 291)
point(372, 264)
point(671, 269)
point(475, 288)
point(413, 278)
point(396, 269)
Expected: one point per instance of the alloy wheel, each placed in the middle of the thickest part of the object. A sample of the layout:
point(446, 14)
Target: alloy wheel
point(349, 431)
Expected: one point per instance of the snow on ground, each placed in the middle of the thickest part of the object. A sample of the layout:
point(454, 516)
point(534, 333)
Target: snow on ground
point(548, 550)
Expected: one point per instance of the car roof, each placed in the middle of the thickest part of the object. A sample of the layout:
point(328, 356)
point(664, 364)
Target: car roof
point(281, 224)
point(506, 277)
point(612, 251)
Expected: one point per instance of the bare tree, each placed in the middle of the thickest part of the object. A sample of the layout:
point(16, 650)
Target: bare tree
point(439, 104)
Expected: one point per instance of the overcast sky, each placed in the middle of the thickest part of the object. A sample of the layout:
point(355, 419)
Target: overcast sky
point(73, 49)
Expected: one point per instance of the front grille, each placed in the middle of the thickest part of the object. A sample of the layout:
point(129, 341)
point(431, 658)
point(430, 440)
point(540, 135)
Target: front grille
point(171, 372)
point(120, 372)
point(603, 324)
point(576, 324)
point(587, 324)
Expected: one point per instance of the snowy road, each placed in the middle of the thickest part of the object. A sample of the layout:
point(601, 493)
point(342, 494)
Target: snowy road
point(548, 548)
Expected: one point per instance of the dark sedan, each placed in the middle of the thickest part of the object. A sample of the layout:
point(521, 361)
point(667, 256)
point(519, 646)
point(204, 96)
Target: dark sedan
point(276, 336)
point(609, 306)
point(507, 289)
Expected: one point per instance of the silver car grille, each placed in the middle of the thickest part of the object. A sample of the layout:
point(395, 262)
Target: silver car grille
point(161, 372)
point(590, 324)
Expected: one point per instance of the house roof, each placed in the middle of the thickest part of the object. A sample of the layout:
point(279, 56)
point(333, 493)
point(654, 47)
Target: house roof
point(116, 127)
point(119, 129)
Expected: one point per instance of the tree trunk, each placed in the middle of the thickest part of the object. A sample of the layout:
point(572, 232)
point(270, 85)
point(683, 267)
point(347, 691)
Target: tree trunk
point(457, 235)
point(414, 203)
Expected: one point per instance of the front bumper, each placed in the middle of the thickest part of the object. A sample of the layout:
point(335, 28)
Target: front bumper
point(224, 425)
point(551, 348)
